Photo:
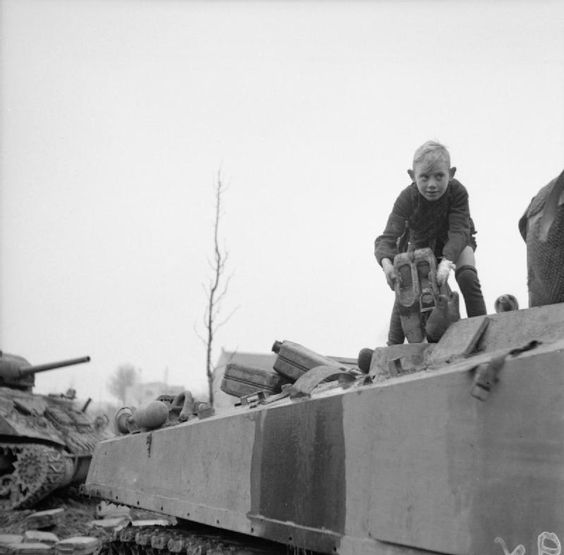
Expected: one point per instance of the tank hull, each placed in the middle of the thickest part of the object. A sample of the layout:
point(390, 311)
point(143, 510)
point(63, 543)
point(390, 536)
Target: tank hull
point(414, 464)
point(46, 443)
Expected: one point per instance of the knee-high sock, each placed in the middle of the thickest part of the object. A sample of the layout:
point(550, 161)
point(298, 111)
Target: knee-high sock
point(467, 278)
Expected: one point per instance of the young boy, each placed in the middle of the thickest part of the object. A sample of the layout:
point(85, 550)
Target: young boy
point(432, 212)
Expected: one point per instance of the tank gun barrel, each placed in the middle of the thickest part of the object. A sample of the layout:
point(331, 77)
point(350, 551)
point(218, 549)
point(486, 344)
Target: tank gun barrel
point(52, 365)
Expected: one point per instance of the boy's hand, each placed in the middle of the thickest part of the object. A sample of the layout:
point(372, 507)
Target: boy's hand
point(445, 266)
point(390, 273)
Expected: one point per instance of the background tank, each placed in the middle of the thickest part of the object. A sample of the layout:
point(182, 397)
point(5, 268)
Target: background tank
point(453, 448)
point(46, 441)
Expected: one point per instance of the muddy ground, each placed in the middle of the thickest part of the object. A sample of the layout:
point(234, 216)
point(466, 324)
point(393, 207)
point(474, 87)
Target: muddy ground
point(80, 512)
point(77, 517)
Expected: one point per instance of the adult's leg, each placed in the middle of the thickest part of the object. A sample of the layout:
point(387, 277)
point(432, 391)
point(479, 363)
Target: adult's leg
point(467, 278)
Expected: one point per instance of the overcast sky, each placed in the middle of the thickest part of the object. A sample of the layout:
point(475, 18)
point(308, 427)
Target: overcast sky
point(116, 118)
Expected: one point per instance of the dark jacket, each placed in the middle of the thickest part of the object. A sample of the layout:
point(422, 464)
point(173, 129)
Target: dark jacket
point(444, 225)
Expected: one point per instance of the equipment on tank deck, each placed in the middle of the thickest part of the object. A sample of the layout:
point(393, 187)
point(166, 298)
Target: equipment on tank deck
point(426, 310)
point(451, 447)
point(166, 410)
point(46, 441)
point(505, 303)
point(293, 359)
point(241, 381)
point(542, 228)
point(150, 417)
point(252, 384)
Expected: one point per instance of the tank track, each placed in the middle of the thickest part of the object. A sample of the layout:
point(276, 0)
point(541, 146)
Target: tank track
point(29, 472)
point(169, 540)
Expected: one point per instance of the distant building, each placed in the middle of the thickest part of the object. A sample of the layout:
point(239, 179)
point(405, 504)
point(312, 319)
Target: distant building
point(255, 360)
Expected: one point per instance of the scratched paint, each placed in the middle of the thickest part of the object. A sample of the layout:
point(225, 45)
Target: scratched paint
point(298, 466)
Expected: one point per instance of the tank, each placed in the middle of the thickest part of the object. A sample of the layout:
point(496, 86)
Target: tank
point(46, 441)
point(454, 447)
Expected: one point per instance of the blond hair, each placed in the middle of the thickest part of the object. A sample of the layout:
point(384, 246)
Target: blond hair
point(432, 149)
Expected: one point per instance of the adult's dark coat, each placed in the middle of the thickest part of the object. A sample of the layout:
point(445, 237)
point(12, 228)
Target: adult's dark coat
point(542, 228)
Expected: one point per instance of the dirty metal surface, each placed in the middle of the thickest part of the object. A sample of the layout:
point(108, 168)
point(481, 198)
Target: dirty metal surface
point(411, 465)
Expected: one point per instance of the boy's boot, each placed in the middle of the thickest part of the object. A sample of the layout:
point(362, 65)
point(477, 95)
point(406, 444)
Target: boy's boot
point(467, 278)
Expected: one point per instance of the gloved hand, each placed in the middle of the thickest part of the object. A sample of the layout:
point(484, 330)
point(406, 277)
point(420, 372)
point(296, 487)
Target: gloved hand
point(445, 266)
point(389, 271)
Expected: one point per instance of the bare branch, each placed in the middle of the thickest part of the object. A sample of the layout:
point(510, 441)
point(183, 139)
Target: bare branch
point(199, 335)
point(225, 320)
point(223, 292)
point(217, 287)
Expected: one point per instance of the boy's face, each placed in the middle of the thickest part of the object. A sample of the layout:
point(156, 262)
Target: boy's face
point(431, 175)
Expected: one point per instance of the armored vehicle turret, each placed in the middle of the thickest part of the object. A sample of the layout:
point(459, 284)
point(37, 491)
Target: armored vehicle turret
point(46, 441)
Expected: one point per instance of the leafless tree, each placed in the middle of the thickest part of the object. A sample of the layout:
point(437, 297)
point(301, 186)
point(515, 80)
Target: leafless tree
point(124, 376)
point(216, 288)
